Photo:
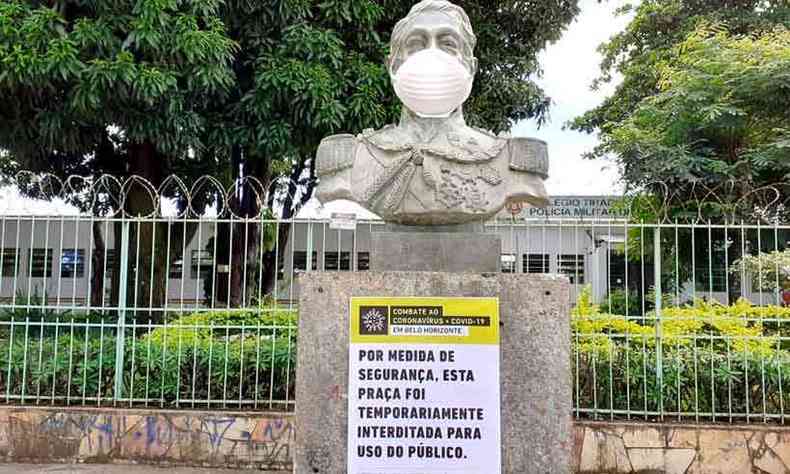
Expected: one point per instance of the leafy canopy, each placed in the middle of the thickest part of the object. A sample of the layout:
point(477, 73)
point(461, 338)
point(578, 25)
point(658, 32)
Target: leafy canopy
point(720, 120)
point(84, 84)
point(70, 71)
point(683, 122)
point(636, 54)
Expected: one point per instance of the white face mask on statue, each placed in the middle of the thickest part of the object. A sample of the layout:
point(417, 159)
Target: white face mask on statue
point(432, 83)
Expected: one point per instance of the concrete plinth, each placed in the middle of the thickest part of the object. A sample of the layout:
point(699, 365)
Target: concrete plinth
point(535, 362)
point(435, 252)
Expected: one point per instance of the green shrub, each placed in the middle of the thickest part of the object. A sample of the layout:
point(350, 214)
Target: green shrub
point(66, 366)
point(224, 355)
point(34, 309)
point(622, 302)
point(219, 356)
point(711, 358)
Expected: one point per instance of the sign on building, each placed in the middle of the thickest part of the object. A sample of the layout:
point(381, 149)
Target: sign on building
point(343, 221)
point(570, 207)
point(424, 386)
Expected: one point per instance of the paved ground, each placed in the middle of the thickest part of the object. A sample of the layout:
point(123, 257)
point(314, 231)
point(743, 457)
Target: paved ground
point(108, 469)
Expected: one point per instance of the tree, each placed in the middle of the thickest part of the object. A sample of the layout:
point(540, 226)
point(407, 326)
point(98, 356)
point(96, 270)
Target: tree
point(84, 84)
point(657, 27)
point(88, 88)
point(712, 145)
point(188, 81)
point(154, 87)
point(651, 55)
point(718, 130)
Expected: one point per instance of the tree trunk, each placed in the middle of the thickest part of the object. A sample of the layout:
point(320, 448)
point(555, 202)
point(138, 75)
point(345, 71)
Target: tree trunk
point(238, 263)
point(97, 264)
point(238, 272)
point(149, 258)
point(153, 246)
point(146, 266)
point(274, 260)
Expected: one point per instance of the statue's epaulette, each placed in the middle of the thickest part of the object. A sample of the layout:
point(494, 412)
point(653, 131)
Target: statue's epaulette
point(529, 155)
point(389, 138)
point(335, 153)
point(486, 132)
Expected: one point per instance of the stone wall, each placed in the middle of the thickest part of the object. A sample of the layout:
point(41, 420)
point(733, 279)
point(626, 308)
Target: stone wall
point(264, 442)
point(152, 437)
point(681, 449)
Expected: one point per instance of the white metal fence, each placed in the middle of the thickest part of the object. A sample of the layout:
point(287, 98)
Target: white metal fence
point(201, 312)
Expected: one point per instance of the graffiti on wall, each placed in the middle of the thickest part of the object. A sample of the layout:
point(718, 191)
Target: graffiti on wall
point(189, 438)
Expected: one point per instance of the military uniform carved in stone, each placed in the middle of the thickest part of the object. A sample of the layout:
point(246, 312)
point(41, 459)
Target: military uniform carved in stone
point(432, 168)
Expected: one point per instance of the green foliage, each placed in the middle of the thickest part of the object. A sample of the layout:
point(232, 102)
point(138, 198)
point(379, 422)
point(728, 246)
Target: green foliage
point(623, 302)
point(202, 326)
point(145, 67)
point(692, 381)
point(681, 325)
point(658, 26)
point(770, 271)
point(210, 348)
point(702, 105)
point(36, 309)
point(203, 356)
point(721, 115)
point(65, 365)
point(711, 356)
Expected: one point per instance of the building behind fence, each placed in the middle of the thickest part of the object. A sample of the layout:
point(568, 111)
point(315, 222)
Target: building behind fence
point(667, 325)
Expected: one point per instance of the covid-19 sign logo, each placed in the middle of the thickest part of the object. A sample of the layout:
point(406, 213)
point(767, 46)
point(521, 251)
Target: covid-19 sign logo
point(374, 320)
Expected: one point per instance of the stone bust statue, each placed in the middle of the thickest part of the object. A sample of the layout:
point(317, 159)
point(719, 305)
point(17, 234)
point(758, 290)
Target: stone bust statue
point(432, 168)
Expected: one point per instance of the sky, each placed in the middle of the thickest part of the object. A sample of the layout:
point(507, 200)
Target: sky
point(569, 67)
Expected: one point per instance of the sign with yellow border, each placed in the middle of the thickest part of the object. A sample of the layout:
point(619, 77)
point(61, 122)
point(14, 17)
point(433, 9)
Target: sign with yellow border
point(424, 393)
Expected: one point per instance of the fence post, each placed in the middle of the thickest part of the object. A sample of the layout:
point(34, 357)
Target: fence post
point(658, 326)
point(309, 258)
point(120, 341)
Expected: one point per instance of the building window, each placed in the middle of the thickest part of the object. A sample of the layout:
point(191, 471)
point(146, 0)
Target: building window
point(363, 261)
point(202, 264)
point(176, 271)
point(72, 263)
point(573, 266)
point(8, 262)
point(536, 263)
point(331, 261)
point(40, 263)
point(108, 263)
point(617, 266)
point(300, 261)
point(508, 263)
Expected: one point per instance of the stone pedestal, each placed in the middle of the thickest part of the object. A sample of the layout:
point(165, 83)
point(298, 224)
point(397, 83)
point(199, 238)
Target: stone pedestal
point(435, 252)
point(535, 362)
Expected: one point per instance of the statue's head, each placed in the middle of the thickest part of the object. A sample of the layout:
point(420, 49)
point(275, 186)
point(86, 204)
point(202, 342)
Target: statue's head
point(434, 44)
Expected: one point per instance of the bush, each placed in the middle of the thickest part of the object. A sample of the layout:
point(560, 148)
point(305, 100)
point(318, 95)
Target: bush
point(711, 358)
point(203, 359)
point(623, 302)
point(226, 355)
point(769, 271)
